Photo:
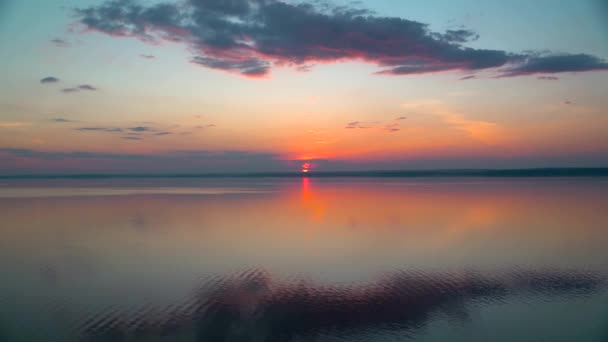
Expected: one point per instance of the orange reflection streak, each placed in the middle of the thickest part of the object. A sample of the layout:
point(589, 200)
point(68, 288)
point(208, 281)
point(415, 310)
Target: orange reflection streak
point(306, 194)
point(311, 203)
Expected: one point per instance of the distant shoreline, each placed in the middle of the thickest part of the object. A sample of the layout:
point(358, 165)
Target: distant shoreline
point(532, 172)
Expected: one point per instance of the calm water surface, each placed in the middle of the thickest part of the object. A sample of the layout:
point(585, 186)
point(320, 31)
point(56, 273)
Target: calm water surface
point(304, 260)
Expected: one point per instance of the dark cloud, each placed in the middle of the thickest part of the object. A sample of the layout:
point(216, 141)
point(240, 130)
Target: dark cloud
point(140, 129)
point(171, 161)
point(135, 131)
point(401, 118)
point(555, 64)
point(131, 138)
point(60, 42)
point(99, 129)
point(567, 102)
point(248, 66)
point(86, 87)
point(470, 77)
point(250, 37)
point(49, 79)
point(147, 56)
point(548, 78)
point(459, 36)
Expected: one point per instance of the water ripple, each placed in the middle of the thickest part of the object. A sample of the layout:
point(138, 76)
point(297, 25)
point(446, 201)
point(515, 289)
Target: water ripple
point(252, 306)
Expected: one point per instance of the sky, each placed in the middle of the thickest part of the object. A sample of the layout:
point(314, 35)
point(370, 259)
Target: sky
point(104, 86)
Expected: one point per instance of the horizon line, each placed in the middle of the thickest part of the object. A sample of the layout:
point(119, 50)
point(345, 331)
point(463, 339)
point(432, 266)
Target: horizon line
point(477, 172)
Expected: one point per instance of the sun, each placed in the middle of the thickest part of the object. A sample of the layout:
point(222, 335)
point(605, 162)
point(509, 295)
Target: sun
point(305, 167)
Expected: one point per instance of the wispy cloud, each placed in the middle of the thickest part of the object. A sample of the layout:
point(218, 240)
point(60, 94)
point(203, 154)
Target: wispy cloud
point(60, 42)
point(392, 127)
point(87, 87)
point(62, 120)
point(205, 126)
point(82, 87)
point(49, 79)
point(134, 131)
point(357, 125)
point(100, 129)
point(144, 56)
point(170, 161)
point(251, 37)
point(548, 78)
point(13, 124)
point(140, 129)
point(556, 63)
point(479, 130)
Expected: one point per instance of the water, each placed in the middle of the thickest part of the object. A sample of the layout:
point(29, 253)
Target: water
point(265, 259)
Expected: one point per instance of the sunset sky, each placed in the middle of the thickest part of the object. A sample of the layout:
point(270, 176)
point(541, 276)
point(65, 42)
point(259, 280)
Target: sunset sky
point(268, 85)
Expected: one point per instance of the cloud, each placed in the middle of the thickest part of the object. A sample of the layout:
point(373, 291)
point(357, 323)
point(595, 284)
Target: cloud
point(49, 79)
point(147, 56)
point(140, 129)
point(251, 37)
point(567, 102)
point(247, 66)
point(555, 64)
point(60, 42)
point(392, 127)
point(62, 120)
point(470, 77)
point(171, 161)
point(356, 125)
point(131, 138)
point(136, 131)
point(548, 78)
point(99, 129)
point(84, 87)
point(205, 126)
point(460, 36)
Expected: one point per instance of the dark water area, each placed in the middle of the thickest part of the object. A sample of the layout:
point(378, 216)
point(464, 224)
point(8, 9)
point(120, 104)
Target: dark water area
point(304, 259)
